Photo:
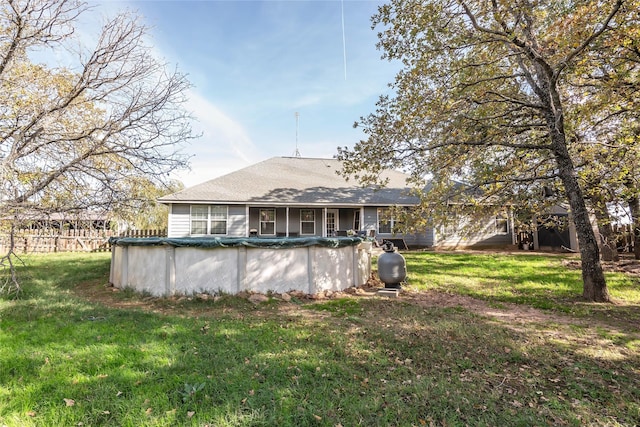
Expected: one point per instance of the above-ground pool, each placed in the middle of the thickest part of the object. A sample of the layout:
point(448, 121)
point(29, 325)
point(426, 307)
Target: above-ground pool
point(166, 266)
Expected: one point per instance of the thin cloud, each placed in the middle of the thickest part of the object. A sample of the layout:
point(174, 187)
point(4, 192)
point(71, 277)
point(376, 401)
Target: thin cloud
point(255, 63)
point(224, 145)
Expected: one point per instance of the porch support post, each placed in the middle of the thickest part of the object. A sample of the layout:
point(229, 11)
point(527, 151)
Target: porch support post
point(324, 222)
point(246, 221)
point(536, 242)
point(287, 225)
point(511, 225)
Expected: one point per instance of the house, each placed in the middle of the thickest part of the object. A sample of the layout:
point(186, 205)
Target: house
point(554, 230)
point(300, 197)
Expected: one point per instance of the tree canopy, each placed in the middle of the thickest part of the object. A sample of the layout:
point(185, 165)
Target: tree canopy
point(79, 136)
point(494, 94)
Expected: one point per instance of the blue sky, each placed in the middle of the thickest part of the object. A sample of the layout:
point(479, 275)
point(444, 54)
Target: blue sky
point(254, 64)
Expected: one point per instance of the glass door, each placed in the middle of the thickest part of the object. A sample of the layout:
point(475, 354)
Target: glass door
point(332, 222)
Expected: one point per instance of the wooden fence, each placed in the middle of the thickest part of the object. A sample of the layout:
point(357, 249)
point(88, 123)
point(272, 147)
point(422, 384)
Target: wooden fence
point(624, 235)
point(143, 233)
point(54, 240)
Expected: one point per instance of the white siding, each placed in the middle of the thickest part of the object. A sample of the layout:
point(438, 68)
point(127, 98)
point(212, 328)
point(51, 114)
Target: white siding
point(179, 220)
point(419, 240)
point(237, 221)
point(485, 236)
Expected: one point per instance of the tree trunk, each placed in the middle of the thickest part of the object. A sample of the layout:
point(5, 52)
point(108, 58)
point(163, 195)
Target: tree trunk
point(634, 209)
point(608, 250)
point(594, 285)
point(9, 285)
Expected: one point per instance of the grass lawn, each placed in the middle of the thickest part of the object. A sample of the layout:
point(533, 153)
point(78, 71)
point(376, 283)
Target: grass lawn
point(75, 353)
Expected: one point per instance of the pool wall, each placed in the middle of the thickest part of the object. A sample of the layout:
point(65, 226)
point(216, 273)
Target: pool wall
point(165, 270)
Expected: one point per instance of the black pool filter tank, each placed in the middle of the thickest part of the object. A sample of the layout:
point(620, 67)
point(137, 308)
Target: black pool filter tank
point(392, 268)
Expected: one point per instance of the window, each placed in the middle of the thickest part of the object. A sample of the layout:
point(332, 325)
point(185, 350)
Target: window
point(385, 221)
point(356, 220)
point(502, 224)
point(209, 220)
point(307, 221)
point(455, 224)
point(199, 219)
point(268, 222)
point(218, 220)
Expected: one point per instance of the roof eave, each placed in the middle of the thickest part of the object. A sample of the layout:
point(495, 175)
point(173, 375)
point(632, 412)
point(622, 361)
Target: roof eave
point(285, 204)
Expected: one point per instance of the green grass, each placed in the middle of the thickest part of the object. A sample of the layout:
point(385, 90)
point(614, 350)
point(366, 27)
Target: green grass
point(68, 361)
point(539, 281)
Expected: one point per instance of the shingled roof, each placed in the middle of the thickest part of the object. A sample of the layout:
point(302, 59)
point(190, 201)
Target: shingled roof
point(281, 181)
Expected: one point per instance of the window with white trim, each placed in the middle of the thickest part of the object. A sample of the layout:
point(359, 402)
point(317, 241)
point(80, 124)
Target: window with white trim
point(268, 222)
point(218, 220)
point(199, 219)
point(385, 220)
point(502, 224)
point(307, 221)
point(209, 220)
point(356, 220)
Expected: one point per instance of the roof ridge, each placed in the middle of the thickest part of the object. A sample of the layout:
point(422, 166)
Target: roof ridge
point(305, 158)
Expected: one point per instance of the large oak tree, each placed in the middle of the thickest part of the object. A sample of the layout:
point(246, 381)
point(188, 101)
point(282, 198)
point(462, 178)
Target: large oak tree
point(485, 97)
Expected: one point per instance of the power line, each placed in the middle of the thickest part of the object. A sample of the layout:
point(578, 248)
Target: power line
point(344, 42)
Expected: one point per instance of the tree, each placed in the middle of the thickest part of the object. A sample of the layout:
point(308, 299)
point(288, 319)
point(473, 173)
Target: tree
point(143, 211)
point(72, 138)
point(482, 98)
point(610, 114)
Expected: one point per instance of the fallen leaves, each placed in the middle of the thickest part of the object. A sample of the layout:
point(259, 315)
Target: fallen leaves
point(69, 402)
point(205, 328)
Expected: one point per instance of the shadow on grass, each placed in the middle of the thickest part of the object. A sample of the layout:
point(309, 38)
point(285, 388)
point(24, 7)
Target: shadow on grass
point(387, 363)
point(538, 281)
point(393, 364)
point(350, 362)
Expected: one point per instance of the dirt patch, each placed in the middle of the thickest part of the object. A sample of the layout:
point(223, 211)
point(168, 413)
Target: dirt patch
point(625, 265)
point(512, 315)
point(108, 296)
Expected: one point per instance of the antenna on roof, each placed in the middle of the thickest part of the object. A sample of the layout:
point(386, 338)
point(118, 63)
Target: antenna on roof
point(297, 153)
